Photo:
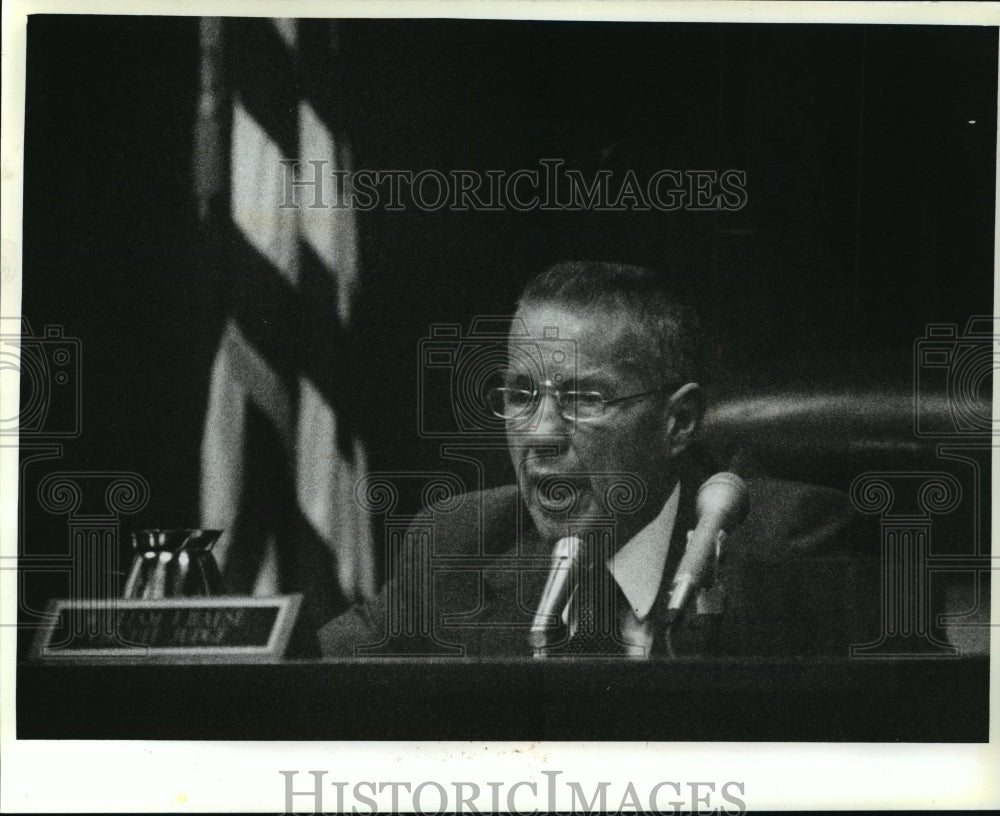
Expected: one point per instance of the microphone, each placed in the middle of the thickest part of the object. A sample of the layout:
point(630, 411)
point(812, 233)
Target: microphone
point(722, 504)
point(565, 554)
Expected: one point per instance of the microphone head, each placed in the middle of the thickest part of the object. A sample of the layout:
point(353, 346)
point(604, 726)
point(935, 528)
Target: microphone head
point(724, 496)
point(568, 547)
point(555, 595)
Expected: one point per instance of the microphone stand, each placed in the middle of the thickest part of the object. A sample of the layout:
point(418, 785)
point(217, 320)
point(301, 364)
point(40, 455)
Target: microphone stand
point(709, 602)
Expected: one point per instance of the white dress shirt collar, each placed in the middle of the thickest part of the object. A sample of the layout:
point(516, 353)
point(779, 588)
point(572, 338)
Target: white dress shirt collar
point(638, 566)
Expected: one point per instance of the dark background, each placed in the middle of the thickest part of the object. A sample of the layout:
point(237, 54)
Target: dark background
point(869, 153)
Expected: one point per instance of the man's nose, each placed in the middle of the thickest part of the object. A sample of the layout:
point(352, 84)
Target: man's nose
point(548, 419)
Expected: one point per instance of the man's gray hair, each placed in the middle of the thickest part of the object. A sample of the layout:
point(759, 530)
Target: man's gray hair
point(656, 311)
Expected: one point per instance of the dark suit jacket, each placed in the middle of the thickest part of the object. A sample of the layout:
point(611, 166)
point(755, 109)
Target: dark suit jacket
point(795, 582)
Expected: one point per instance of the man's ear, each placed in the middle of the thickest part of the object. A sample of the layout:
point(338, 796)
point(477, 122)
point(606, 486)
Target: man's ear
point(685, 409)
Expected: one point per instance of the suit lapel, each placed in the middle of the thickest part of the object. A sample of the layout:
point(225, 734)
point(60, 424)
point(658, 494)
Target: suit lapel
point(685, 521)
point(526, 565)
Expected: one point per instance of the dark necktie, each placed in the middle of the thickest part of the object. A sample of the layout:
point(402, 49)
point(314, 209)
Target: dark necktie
point(593, 615)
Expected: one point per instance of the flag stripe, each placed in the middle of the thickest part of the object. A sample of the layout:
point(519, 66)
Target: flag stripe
point(325, 355)
point(321, 82)
point(266, 78)
point(258, 192)
point(239, 377)
point(288, 31)
point(266, 306)
point(330, 232)
point(263, 507)
point(259, 380)
point(326, 494)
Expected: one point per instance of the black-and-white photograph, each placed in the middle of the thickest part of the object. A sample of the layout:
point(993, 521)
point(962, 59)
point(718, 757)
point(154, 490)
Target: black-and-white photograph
point(501, 380)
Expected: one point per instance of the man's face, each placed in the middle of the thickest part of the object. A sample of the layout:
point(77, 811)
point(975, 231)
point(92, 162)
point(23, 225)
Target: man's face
point(630, 439)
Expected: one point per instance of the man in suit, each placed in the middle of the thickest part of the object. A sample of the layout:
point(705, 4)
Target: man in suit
point(602, 409)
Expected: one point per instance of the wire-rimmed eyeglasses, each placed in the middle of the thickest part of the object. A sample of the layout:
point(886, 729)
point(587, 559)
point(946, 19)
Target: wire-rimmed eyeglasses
point(512, 404)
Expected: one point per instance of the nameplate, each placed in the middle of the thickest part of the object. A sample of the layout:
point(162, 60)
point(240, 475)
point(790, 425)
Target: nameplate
point(179, 630)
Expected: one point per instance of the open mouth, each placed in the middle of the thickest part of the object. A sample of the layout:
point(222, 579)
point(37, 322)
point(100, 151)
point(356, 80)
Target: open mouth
point(555, 493)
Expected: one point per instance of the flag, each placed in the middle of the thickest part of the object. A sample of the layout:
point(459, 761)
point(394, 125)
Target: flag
point(280, 455)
